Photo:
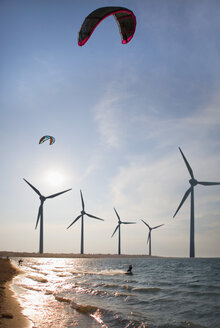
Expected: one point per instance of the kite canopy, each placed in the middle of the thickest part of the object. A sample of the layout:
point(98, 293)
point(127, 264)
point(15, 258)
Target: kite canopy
point(124, 17)
point(44, 138)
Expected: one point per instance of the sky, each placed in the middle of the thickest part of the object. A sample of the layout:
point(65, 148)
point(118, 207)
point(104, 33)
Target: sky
point(118, 114)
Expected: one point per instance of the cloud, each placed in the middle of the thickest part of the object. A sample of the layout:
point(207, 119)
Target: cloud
point(114, 108)
point(153, 180)
point(106, 113)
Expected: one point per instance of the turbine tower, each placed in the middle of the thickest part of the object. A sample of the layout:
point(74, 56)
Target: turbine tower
point(82, 222)
point(149, 234)
point(119, 231)
point(193, 182)
point(40, 212)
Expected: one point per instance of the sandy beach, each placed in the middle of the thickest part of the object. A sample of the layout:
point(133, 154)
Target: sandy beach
point(10, 312)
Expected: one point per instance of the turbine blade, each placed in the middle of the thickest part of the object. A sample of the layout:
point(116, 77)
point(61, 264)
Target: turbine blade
point(146, 224)
point(38, 216)
point(83, 205)
point(187, 165)
point(208, 183)
point(115, 230)
point(117, 215)
point(59, 193)
point(128, 222)
point(74, 221)
point(35, 189)
point(94, 217)
point(183, 200)
point(158, 226)
point(148, 237)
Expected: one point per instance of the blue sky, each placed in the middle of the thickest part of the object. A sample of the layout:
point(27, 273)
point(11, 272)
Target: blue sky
point(118, 113)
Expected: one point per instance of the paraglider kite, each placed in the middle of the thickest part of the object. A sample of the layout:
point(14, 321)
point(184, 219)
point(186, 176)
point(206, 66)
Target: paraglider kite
point(124, 17)
point(44, 138)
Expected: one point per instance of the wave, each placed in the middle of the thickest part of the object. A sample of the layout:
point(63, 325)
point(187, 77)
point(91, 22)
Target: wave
point(146, 289)
point(30, 288)
point(131, 288)
point(123, 294)
point(110, 285)
point(61, 275)
point(87, 309)
point(34, 268)
point(57, 270)
point(48, 292)
point(98, 314)
point(38, 279)
point(127, 287)
point(102, 272)
point(93, 311)
point(202, 293)
point(91, 291)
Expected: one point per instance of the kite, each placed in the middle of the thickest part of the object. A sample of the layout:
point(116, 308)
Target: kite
point(124, 17)
point(44, 138)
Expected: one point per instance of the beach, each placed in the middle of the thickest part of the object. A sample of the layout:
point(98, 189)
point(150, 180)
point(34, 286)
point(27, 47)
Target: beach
point(95, 292)
point(10, 312)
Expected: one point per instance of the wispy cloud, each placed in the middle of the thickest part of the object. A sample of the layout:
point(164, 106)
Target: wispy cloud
point(154, 184)
point(107, 112)
point(112, 109)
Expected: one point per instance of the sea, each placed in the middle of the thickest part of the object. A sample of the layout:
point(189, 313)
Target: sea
point(96, 292)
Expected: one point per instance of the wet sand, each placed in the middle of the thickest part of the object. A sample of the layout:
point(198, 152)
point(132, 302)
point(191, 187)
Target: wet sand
point(10, 312)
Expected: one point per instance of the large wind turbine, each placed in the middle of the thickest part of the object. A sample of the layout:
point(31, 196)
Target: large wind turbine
point(119, 231)
point(149, 234)
point(82, 222)
point(193, 182)
point(40, 212)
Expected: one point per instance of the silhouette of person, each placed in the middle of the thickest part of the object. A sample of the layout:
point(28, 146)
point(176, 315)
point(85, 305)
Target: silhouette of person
point(129, 269)
point(20, 262)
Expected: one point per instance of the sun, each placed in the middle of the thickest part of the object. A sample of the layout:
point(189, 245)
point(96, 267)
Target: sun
point(55, 178)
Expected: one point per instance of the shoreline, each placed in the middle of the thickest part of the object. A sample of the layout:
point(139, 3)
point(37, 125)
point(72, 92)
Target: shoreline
point(12, 254)
point(71, 255)
point(10, 311)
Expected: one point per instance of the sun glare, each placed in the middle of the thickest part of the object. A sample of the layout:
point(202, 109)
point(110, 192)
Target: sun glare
point(54, 178)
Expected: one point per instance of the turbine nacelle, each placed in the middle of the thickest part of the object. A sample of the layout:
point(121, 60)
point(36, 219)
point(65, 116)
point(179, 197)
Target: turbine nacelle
point(193, 182)
point(42, 198)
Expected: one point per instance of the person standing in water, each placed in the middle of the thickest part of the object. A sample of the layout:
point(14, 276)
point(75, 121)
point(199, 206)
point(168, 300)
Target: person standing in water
point(20, 262)
point(129, 269)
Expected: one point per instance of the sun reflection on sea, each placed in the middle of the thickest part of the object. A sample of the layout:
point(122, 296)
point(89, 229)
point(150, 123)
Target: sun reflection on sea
point(98, 317)
point(36, 292)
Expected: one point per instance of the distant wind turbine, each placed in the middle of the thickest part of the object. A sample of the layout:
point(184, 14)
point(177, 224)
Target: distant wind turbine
point(193, 182)
point(119, 231)
point(149, 234)
point(40, 212)
point(82, 222)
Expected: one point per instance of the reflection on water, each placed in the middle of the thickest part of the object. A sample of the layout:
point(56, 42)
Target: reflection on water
point(38, 290)
point(96, 293)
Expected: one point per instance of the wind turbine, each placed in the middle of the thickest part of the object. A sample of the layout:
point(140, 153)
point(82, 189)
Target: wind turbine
point(193, 182)
point(119, 231)
point(40, 212)
point(82, 222)
point(149, 234)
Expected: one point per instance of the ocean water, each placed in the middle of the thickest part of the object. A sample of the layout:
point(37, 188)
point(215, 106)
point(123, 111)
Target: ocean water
point(161, 293)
